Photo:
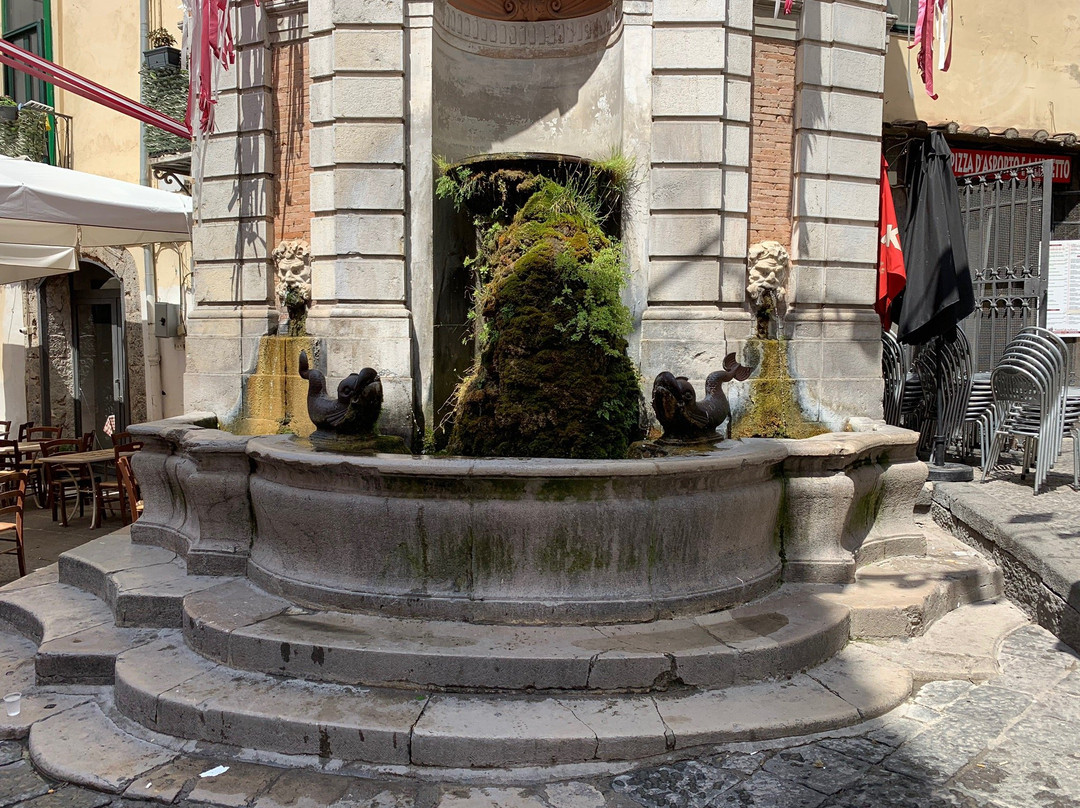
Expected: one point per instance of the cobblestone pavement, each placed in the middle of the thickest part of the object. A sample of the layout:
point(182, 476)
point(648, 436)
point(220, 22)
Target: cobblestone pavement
point(1011, 742)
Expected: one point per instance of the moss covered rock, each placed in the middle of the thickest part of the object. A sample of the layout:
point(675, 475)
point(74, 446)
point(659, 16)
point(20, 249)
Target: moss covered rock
point(552, 378)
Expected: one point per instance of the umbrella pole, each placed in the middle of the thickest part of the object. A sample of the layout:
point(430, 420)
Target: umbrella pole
point(937, 452)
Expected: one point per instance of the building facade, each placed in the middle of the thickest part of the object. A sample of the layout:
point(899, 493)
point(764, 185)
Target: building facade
point(85, 343)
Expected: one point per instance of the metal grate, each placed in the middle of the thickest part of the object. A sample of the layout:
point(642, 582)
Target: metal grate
point(1007, 220)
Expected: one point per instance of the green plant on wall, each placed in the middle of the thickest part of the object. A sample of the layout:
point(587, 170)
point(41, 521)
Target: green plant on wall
point(27, 135)
point(551, 376)
point(166, 90)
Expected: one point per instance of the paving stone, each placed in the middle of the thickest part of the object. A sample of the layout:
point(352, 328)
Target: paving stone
point(300, 788)
point(768, 791)
point(381, 794)
point(165, 783)
point(573, 795)
point(991, 706)
point(488, 798)
point(70, 797)
point(816, 767)
point(19, 781)
point(942, 750)
point(858, 748)
point(1023, 778)
point(686, 784)
point(883, 788)
point(895, 730)
point(745, 762)
point(10, 752)
point(236, 787)
point(937, 695)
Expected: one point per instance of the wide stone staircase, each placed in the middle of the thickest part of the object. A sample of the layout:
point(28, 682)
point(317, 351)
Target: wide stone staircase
point(117, 646)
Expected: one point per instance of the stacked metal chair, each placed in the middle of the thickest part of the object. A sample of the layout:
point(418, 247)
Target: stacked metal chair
point(894, 371)
point(1032, 405)
point(945, 364)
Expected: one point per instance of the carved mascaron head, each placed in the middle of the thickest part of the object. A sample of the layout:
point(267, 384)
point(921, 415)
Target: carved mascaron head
point(291, 261)
point(769, 267)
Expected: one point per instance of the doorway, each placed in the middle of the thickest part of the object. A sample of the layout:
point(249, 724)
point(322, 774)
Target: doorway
point(100, 364)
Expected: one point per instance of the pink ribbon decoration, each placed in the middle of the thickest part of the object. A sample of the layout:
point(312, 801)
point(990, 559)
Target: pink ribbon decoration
point(924, 38)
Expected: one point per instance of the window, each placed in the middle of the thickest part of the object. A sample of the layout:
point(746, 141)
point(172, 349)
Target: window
point(907, 14)
point(24, 26)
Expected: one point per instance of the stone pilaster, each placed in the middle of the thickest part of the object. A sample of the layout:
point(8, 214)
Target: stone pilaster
point(697, 185)
point(839, 85)
point(359, 235)
point(233, 279)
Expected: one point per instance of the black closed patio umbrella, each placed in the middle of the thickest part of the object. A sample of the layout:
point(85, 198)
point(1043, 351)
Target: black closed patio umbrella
point(938, 294)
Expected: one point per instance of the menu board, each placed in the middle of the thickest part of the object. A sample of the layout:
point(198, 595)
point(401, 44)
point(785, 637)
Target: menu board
point(1063, 289)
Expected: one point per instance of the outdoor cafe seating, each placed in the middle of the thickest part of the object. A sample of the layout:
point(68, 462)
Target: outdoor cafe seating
point(1025, 400)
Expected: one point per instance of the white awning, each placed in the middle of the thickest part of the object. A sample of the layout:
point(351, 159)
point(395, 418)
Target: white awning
point(47, 214)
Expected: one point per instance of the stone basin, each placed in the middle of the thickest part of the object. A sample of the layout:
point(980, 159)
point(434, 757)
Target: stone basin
point(527, 540)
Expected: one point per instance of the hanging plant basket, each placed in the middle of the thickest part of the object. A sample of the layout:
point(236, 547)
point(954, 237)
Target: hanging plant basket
point(165, 56)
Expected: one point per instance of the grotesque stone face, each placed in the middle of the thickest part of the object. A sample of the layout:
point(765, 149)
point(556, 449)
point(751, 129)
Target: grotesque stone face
point(291, 261)
point(293, 272)
point(767, 283)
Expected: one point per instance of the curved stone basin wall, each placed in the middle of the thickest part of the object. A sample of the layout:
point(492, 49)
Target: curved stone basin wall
point(528, 540)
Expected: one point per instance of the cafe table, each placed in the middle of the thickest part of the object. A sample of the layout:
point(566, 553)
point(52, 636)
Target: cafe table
point(89, 460)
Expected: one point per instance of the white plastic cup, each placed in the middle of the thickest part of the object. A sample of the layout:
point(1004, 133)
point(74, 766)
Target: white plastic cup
point(13, 703)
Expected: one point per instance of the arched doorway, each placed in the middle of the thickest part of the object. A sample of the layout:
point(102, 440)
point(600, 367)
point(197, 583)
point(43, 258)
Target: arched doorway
point(100, 367)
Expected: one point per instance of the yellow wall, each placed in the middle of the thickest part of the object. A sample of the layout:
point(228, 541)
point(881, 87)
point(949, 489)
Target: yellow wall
point(1015, 64)
point(99, 39)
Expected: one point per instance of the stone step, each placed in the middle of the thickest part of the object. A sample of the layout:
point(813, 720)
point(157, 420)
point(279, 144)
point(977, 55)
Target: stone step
point(963, 644)
point(144, 585)
point(167, 688)
point(904, 596)
point(74, 630)
point(240, 625)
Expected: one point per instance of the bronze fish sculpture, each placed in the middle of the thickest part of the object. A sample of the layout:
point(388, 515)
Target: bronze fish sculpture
point(356, 408)
point(681, 415)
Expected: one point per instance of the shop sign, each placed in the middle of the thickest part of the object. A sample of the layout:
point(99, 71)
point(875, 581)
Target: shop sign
point(976, 161)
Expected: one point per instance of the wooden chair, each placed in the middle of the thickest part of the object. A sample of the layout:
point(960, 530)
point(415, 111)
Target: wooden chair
point(62, 480)
point(110, 491)
point(5, 430)
point(122, 439)
point(24, 430)
point(12, 502)
point(10, 461)
point(40, 433)
point(129, 489)
point(87, 441)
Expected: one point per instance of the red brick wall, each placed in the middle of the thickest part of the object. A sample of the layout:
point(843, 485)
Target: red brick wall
point(292, 167)
point(772, 141)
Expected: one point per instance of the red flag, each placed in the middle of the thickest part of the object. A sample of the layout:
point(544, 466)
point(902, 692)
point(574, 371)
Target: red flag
point(891, 275)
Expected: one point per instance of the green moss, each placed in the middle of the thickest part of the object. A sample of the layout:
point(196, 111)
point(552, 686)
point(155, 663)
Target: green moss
point(564, 552)
point(552, 378)
point(773, 411)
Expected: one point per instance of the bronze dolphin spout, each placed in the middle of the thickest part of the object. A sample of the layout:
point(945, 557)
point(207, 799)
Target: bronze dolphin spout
point(356, 408)
point(681, 415)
